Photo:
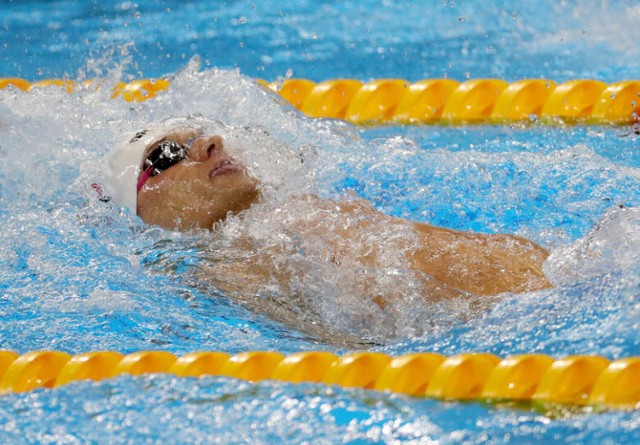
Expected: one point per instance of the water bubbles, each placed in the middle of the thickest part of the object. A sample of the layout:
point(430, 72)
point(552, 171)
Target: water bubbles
point(125, 6)
point(239, 21)
point(447, 178)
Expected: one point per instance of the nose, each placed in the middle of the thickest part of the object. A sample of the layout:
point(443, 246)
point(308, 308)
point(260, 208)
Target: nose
point(205, 147)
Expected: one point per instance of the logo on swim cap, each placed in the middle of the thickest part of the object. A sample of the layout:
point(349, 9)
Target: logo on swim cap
point(138, 136)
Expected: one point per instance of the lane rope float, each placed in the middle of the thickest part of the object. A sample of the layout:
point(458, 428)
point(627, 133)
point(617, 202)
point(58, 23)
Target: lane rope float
point(579, 380)
point(429, 101)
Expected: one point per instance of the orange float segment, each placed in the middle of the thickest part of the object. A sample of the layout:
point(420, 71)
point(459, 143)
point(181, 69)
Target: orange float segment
point(376, 101)
point(360, 370)
point(618, 385)
point(570, 380)
point(144, 362)
point(6, 358)
point(409, 374)
point(96, 365)
point(424, 101)
point(573, 99)
point(294, 91)
point(522, 99)
point(618, 103)
point(117, 90)
point(473, 100)
point(304, 366)
point(89, 84)
point(253, 366)
point(196, 364)
point(67, 85)
point(16, 82)
point(154, 86)
point(516, 377)
point(33, 370)
point(462, 376)
point(140, 90)
point(330, 98)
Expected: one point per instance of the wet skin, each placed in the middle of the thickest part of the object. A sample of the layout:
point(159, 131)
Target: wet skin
point(208, 184)
point(198, 191)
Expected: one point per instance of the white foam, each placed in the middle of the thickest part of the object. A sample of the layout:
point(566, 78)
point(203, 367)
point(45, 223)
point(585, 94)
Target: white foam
point(55, 146)
point(611, 246)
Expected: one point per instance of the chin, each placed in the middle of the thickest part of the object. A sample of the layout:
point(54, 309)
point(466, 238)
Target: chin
point(237, 199)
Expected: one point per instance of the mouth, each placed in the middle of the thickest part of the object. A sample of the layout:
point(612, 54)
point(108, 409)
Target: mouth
point(226, 166)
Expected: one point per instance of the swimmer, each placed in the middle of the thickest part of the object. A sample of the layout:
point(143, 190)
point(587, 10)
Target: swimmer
point(178, 177)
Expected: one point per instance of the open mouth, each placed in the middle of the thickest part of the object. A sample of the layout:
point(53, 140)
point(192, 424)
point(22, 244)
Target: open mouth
point(226, 166)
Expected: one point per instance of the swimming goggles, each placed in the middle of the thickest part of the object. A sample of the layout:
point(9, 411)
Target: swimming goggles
point(165, 155)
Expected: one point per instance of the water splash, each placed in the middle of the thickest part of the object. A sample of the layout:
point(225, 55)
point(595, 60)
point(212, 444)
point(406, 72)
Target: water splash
point(552, 193)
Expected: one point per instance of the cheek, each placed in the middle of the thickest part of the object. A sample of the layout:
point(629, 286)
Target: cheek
point(150, 206)
point(163, 189)
point(178, 204)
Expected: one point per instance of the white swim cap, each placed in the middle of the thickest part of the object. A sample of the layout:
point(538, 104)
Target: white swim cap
point(126, 160)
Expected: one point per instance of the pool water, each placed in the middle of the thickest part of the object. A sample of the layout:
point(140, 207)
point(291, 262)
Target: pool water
point(78, 274)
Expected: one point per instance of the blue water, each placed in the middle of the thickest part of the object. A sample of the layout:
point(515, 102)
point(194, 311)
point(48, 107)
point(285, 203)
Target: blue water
point(327, 39)
point(78, 275)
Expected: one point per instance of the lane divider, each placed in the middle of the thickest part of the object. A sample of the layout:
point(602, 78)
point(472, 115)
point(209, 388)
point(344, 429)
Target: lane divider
point(575, 380)
point(429, 101)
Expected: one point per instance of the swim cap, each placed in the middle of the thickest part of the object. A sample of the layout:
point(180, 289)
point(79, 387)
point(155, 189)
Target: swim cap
point(126, 160)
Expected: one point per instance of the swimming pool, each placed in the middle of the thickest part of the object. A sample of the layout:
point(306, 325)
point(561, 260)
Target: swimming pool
point(79, 275)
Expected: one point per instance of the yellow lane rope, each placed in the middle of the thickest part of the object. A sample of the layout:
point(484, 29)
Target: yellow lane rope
point(429, 101)
point(575, 380)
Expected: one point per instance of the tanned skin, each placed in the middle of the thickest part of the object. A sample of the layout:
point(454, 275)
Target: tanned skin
point(208, 184)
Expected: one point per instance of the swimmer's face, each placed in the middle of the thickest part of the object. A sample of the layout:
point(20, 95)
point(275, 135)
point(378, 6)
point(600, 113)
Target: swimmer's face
point(189, 181)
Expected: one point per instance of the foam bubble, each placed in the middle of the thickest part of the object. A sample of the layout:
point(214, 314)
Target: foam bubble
point(612, 246)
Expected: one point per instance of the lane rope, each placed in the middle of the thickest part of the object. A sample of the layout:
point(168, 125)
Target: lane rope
point(579, 380)
point(429, 101)
point(574, 380)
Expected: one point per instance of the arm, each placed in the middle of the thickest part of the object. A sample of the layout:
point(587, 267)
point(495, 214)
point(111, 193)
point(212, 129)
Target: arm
point(478, 263)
